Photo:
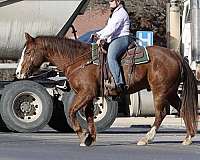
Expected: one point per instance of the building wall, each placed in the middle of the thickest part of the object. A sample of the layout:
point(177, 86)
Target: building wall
point(144, 15)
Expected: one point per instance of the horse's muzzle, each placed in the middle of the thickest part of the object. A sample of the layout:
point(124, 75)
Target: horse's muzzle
point(21, 76)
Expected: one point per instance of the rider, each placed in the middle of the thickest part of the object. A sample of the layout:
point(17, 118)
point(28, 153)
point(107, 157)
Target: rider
point(116, 33)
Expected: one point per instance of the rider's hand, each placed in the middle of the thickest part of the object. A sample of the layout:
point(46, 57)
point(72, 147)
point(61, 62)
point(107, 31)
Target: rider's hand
point(94, 37)
point(98, 42)
point(101, 42)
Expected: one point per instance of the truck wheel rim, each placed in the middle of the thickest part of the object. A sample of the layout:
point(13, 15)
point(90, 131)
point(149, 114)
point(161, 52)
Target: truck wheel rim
point(27, 107)
point(100, 110)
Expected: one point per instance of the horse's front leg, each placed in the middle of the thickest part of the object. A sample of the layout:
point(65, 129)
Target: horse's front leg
point(80, 101)
point(89, 113)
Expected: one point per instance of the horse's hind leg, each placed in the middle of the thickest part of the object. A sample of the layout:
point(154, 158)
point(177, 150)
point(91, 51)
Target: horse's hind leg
point(176, 103)
point(80, 101)
point(160, 113)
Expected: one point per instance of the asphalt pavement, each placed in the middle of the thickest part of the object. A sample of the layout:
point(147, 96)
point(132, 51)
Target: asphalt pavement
point(117, 143)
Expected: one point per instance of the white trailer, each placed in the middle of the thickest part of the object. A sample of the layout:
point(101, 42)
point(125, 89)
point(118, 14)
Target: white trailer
point(27, 106)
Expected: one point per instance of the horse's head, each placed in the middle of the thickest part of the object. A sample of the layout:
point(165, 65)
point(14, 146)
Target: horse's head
point(31, 59)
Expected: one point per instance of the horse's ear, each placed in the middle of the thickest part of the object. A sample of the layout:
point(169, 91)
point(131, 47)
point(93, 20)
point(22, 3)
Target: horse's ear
point(28, 37)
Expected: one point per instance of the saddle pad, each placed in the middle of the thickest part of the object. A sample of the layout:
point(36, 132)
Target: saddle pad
point(141, 55)
point(138, 55)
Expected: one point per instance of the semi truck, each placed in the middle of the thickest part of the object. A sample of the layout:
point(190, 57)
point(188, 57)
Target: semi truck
point(29, 105)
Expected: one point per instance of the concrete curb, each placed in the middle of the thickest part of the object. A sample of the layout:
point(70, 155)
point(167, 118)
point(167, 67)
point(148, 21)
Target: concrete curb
point(170, 122)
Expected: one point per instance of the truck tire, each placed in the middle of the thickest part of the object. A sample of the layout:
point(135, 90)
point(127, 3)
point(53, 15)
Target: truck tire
point(3, 127)
point(104, 116)
point(26, 106)
point(58, 119)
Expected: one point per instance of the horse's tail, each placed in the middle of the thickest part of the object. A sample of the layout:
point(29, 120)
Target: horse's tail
point(189, 99)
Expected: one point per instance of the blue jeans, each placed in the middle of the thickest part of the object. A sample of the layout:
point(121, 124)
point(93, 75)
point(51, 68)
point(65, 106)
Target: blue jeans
point(115, 50)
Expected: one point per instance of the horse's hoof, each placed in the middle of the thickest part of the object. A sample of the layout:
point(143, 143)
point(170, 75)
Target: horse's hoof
point(187, 142)
point(89, 140)
point(142, 142)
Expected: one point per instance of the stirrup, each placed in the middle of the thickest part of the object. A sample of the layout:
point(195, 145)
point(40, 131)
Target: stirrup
point(110, 85)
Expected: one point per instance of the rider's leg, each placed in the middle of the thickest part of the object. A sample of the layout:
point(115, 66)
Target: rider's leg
point(116, 48)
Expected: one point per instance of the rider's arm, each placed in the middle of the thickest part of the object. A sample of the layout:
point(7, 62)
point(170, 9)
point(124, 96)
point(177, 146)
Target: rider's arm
point(112, 26)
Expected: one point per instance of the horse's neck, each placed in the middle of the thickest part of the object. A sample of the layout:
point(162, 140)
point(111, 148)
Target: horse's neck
point(59, 60)
point(64, 63)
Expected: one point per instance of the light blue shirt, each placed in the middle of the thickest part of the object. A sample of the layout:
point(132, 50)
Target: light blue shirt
point(117, 26)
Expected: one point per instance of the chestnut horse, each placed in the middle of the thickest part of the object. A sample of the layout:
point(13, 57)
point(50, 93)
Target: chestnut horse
point(162, 75)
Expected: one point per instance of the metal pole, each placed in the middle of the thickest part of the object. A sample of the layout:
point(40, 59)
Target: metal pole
point(174, 24)
point(195, 30)
point(195, 33)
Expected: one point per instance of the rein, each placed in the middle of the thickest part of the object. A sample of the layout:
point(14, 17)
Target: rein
point(79, 57)
point(40, 75)
point(81, 66)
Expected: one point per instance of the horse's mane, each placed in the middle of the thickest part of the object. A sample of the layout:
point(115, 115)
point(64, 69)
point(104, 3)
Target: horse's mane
point(72, 48)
